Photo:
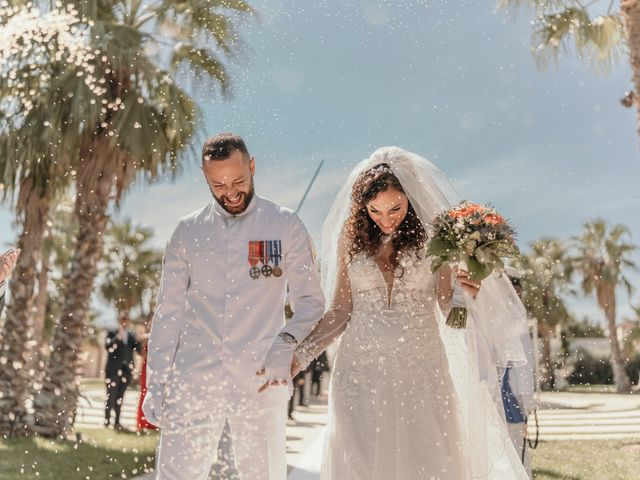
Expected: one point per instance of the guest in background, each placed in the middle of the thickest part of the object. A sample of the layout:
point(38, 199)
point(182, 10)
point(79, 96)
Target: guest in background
point(298, 386)
point(517, 388)
point(120, 345)
point(318, 366)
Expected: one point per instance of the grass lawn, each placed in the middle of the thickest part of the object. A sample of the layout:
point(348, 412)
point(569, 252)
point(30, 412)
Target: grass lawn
point(102, 454)
point(587, 460)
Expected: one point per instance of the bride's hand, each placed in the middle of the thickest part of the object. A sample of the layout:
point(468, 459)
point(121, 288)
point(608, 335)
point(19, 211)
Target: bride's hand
point(470, 286)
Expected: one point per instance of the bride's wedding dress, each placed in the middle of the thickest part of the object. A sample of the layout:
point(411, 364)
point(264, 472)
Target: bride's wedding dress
point(394, 412)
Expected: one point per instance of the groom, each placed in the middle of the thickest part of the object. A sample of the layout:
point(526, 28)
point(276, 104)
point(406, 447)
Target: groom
point(220, 319)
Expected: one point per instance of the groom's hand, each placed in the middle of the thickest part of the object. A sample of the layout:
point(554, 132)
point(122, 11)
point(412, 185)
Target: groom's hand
point(152, 404)
point(267, 384)
point(295, 369)
point(277, 363)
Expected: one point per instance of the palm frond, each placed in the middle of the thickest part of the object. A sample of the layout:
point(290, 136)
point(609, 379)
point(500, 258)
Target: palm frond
point(627, 285)
point(602, 256)
point(537, 5)
point(563, 26)
point(202, 62)
point(601, 41)
point(618, 231)
point(552, 33)
point(130, 266)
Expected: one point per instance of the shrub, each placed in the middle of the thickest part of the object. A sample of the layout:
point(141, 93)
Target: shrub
point(633, 369)
point(591, 371)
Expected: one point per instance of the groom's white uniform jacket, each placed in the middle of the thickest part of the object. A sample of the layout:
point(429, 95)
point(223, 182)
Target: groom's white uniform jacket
point(214, 323)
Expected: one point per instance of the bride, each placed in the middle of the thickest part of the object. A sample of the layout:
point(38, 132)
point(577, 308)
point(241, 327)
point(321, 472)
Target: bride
point(410, 398)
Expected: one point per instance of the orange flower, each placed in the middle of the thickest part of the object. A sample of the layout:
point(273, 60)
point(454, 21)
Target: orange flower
point(493, 218)
point(466, 211)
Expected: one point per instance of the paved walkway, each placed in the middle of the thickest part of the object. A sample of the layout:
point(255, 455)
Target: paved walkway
point(91, 408)
point(587, 416)
point(304, 442)
point(561, 415)
point(304, 434)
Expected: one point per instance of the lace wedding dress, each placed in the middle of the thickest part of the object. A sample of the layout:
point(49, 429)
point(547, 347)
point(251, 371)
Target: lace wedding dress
point(394, 412)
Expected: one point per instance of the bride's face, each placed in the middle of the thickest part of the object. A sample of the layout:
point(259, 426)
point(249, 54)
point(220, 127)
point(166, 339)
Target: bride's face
point(388, 210)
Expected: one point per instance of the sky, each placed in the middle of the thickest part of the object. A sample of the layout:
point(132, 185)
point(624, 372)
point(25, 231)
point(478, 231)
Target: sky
point(453, 81)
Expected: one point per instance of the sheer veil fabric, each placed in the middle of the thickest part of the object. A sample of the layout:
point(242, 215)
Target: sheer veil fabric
point(497, 318)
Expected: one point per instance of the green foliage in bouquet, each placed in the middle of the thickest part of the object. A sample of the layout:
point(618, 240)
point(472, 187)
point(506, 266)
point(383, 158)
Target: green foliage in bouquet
point(474, 234)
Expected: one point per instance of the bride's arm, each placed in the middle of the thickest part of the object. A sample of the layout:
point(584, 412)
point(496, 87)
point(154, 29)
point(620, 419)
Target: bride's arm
point(444, 288)
point(332, 324)
point(446, 283)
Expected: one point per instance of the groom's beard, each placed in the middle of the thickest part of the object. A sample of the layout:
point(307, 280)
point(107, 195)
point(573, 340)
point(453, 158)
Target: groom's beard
point(246, 198)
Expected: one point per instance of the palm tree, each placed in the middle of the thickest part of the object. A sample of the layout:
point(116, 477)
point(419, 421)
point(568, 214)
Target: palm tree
point(32, 171)
point(130, 118)
point(599, 33)
point(631, 13)
point(130, 267)
point(601, 256)
point(16, 345)
point(545, 278)
point(57, 250)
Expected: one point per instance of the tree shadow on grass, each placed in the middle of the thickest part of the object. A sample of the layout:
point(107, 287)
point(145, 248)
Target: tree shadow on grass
point(101, 455)
point(537, 472)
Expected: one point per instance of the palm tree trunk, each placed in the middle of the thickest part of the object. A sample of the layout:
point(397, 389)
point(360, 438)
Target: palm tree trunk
point(16, 343)
point(547, 379)
point(39, 354)
point(607, 300)
point(56, 403)
point(631, 14)
point(41, 301)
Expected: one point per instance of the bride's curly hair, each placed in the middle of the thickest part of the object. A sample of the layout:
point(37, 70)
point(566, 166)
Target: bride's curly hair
point(364, 235)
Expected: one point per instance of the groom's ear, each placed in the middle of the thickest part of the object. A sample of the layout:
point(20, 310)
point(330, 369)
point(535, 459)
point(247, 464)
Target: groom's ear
point(252, 165)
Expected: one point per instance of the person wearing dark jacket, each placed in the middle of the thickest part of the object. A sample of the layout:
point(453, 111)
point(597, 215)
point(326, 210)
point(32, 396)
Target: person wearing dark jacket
point(120, 345)
point(7, 264)
point(317, 367)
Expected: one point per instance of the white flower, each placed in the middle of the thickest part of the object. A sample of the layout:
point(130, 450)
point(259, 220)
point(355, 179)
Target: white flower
point(30, 39)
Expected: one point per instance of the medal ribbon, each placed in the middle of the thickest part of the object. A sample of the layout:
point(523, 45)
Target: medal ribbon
point(276, 252)
point(269, 251)
point(263, 252)
point(253, 253)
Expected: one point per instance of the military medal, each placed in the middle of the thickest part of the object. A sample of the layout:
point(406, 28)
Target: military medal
point(264, 258)
point(254, 272)
point(277, 271)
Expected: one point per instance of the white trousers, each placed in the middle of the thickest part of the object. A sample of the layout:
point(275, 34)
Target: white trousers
point(189, 443)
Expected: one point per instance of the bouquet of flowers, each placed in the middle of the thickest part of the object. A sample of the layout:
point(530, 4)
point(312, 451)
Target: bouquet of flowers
point(472, 236)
